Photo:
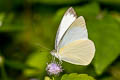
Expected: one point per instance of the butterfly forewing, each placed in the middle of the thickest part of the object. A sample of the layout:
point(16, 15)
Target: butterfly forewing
point(68, 18)
point(77, 31)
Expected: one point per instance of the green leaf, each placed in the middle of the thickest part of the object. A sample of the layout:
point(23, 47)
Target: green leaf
point(38, 60)
point(74, 76)
point(104, 32)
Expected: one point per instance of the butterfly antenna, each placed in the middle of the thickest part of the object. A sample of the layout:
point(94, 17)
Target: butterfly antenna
point(42, 46)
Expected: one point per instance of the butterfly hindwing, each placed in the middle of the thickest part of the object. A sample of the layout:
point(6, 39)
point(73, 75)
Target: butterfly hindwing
point(80, 52)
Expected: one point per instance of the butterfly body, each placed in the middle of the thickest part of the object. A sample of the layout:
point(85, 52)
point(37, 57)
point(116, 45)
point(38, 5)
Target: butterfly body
point(72, 43)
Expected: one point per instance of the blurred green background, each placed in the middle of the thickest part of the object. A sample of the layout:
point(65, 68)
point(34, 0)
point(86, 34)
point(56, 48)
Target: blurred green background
point(28, 29)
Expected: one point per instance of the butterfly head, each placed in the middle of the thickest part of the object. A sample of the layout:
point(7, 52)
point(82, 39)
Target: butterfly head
point(53, 52)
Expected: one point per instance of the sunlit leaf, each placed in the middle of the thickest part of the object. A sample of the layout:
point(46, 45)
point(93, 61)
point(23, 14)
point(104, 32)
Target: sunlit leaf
point(38, 60)
point(74, 76)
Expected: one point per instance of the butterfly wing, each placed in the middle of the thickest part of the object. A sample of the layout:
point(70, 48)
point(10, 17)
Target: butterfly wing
point(76, 31)
point(68, 18)
point(80, 52)
point(75, 47)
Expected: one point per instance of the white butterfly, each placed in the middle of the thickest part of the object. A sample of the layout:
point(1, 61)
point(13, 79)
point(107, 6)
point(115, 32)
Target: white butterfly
point(72, 44)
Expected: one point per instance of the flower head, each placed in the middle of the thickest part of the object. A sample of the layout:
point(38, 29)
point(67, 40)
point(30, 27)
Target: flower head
point(54, 68)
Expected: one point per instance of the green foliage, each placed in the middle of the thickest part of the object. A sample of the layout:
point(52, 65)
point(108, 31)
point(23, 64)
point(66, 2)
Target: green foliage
point(74, 76)
point(105, 40)
point(38, 60)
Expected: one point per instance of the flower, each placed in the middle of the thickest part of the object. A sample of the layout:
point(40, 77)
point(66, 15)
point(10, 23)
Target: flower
point(54, 68)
